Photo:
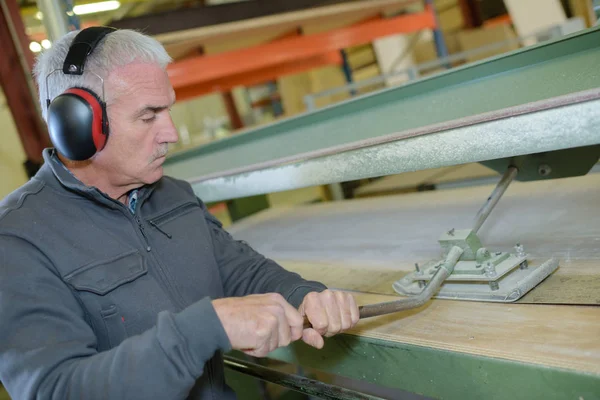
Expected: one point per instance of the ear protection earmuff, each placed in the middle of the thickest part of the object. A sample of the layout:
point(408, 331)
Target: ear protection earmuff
point(77, 120)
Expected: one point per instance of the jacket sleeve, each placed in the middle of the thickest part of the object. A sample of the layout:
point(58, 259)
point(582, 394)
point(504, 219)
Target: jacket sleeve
point(244, 271)
point(48, 351)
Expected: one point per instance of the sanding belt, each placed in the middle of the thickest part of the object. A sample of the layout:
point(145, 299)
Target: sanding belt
point(527, 108)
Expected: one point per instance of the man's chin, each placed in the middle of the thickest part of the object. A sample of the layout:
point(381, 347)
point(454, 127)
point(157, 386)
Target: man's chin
point(155, 176)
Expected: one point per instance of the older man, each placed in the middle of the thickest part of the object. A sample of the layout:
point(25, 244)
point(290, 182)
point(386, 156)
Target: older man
point(115, 281)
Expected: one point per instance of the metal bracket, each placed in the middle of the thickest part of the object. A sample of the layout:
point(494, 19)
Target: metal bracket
point(497, 277)
point(564, 163)
point(480, 275)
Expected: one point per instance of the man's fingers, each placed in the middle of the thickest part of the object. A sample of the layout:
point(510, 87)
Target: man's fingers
point(257, 352)
point(273, 340)
point(332, 308)
point(312, 338)
point(293, 320)
point(344, 307)
point(315, 311)
point(285, 332)
point(354, 312)
point(296, 333)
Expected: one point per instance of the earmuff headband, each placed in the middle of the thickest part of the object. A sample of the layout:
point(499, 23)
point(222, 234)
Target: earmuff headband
point(83, 45)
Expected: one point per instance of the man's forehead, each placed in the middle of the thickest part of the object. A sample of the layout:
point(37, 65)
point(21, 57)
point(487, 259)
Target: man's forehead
point(139, 79)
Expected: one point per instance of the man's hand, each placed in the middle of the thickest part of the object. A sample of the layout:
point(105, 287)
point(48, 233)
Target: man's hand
point(329, 312)
point(259, 324)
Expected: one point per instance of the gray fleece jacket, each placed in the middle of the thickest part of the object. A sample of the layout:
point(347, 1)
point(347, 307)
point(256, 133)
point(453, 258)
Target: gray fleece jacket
point(97, 302)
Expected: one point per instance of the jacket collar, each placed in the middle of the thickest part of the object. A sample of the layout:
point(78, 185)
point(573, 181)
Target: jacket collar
point(55, 174)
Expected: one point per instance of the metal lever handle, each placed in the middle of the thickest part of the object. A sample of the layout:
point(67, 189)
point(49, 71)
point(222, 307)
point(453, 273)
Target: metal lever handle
point(374, 310)
point(491, 202)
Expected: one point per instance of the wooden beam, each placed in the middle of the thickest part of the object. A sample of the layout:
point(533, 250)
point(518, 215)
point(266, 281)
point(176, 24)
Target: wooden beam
point(471, 13)
point(232, 112)
point(16, 80)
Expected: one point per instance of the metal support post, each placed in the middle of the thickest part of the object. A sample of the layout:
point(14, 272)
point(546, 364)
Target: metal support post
point(438, 36)
point(487, 208)
point(54, 17)
point(275, 102)
point(347, 70)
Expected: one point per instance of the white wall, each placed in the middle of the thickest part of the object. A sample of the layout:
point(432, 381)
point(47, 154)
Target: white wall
point(12, 155)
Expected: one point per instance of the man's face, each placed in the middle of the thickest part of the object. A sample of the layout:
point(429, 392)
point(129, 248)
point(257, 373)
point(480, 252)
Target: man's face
point(139, 97)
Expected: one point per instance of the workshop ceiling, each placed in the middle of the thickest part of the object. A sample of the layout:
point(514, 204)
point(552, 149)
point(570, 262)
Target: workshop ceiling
point(104, 12)
point(193, 26)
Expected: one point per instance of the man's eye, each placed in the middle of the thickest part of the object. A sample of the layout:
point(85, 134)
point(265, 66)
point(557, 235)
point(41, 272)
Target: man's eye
point(148, 119)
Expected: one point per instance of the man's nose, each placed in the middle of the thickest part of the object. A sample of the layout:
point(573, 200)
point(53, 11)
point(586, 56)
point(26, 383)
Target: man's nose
point(168, 133)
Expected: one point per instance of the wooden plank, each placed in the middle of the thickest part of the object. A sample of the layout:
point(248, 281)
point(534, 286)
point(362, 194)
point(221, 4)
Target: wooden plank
point(574, 283)
point(355, 278)
point(553, 335)
point(366, 244)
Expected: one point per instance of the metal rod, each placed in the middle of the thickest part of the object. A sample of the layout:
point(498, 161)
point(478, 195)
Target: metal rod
point(374, 310)
point(297, 383)
point(499, 190)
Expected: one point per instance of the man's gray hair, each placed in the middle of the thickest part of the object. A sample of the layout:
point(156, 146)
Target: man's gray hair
point(119, 48)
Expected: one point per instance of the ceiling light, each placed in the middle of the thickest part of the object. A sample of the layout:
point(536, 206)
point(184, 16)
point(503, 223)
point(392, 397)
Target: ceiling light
point(96, 7)
point(46, 44)
point(89, 8)
point(35, 47)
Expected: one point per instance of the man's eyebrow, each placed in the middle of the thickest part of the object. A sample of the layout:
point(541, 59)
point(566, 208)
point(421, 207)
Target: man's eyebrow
point(149, 108)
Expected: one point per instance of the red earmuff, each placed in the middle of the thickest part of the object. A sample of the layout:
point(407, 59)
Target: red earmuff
point(77, 120)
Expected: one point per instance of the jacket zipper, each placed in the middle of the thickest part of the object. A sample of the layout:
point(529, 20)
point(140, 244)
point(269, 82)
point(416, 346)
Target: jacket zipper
point(175, 296)
point(170, 289)
point(141, 227)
